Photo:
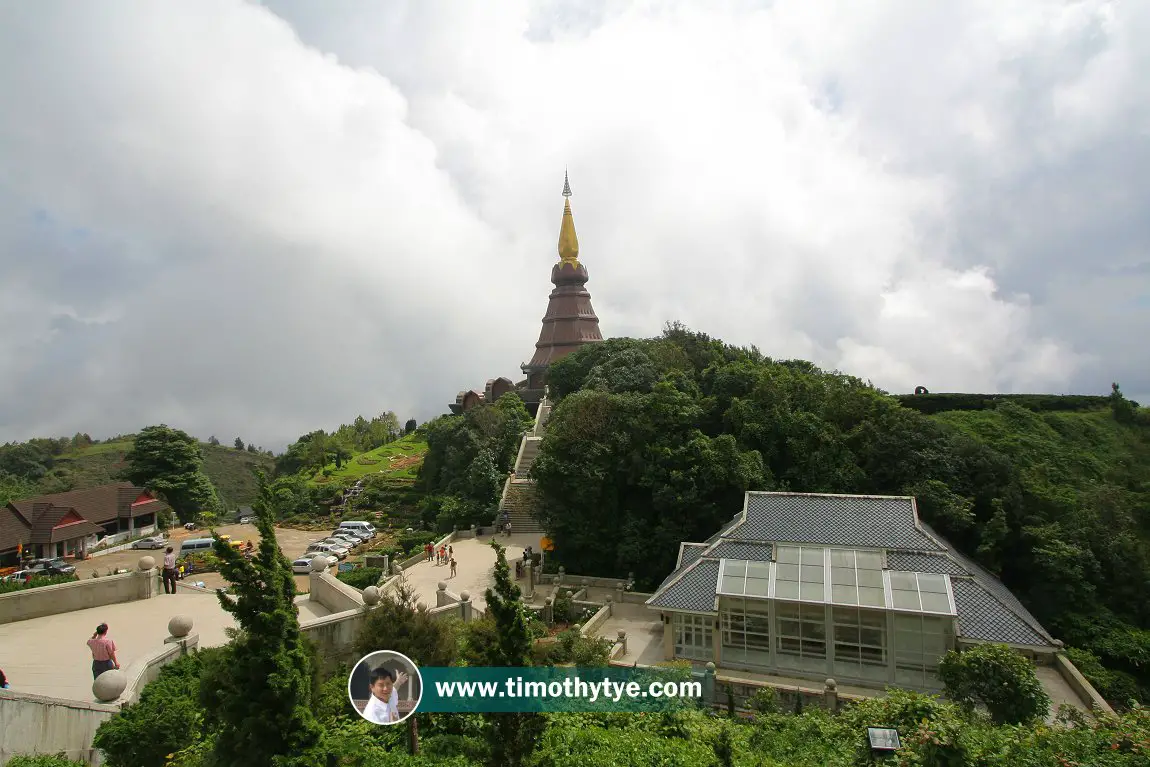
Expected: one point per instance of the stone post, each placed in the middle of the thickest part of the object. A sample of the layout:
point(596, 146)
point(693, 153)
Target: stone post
point(530, 594)
point(318, 568)
point(180, 632)
point(559, 578)
point(831, 696)
point(621, 638)
point(709, 684)
point(441, 597)
point(570, 606)
point(610, 606)
point(148, 577)
point(465, 612)
point(619, 587)
point(549, 611)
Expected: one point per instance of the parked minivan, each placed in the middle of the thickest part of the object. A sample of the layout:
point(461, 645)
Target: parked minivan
point(366, 527)
point(196, 544)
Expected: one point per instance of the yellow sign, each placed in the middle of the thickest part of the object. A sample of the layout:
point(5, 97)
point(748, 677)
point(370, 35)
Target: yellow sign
point(546, 544)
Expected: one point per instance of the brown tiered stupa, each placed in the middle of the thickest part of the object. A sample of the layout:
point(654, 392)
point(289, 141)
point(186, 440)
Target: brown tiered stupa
point(570, 321)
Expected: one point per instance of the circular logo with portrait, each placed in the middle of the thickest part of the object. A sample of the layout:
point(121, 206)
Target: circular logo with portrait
point(385, 687)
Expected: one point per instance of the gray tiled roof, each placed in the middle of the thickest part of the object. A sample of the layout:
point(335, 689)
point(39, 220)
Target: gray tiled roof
point(982, 616)
point(911, 562)
point(689, 552)
point(691, 588)
point(751, 552)
point(833, 520)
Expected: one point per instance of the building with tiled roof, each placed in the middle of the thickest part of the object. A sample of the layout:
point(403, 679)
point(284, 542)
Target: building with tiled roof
point(68, 524)
point(855, 588)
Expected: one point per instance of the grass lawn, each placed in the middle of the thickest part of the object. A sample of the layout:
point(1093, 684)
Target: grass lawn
point(399, 460)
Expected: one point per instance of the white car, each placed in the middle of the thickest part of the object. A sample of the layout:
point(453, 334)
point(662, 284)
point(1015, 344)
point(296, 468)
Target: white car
point(331, 559)
point(327, 548)
point(359, 535)
point(339, 543)
point(301, 566)
point(349, 540)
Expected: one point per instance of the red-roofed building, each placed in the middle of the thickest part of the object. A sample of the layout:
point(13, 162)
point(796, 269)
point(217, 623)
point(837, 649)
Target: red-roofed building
point(68, 524)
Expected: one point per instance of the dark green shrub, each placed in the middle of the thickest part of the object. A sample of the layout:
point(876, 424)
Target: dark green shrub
point(44, 760)
point(998, 678)
point(37, 582)
point(361, 577)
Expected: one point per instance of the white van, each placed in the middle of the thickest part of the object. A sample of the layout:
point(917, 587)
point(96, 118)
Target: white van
point(366, 527)
point(196, 544)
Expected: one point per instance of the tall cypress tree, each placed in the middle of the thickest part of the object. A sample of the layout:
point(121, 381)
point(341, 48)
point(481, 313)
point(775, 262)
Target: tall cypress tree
point(512, 737)
point(260, 701)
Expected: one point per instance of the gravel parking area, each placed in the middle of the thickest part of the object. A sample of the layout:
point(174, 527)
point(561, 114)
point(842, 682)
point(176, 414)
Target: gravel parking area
point(292, 543)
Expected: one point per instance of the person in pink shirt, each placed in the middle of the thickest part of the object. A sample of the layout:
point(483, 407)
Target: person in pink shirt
point(103, 651)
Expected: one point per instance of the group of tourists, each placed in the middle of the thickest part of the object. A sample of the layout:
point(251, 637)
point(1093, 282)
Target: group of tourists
point(441, 555)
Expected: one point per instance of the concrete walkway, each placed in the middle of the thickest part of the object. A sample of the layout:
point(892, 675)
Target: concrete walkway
point(476, 565)
point(644, 633)
point(48, 656)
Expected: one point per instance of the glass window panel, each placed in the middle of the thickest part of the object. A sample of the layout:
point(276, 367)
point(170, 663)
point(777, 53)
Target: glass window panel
point(812, 592)
point(935, 584)
point(870, 618)
point(935, 603)
point(735, 567)
point(868, 560)
point(786, 572)
point(932, 625)
point(904, 600)
point(758, 642)
point(812, 574)
point(872, 655)
point(846, 652)
point(757, 609)
point(845, 615)
point(787, 611)
point(843, 576)
point(847, 634)
point(732, 584)
point(788, 645)
point(844, 595)
point(758, 625)
point(872, 597)
point(812, 556)
point(786, 590)
point(758, 569)
point(790, 628)
point(758, 587)
point(933, 644)
point(787, 555)
point(908, 623)
point(813, 648)
point(903, 582)
point(814, 631)
point(841, 558)
point(872, 579)
point(814, 613)
point(872, 637)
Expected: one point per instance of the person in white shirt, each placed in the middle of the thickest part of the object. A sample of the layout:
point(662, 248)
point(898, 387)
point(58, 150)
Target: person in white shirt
point(383, 708)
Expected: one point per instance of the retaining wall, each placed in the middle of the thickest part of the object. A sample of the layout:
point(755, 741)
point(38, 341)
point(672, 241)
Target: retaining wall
point(79, 595)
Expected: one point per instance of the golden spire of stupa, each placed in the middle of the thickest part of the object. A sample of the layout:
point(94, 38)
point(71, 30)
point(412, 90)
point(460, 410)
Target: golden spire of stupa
point(568, 242)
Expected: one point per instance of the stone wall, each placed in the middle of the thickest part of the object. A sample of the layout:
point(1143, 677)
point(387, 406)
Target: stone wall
point(334, 594)
point(335, 634)
point(79, 595)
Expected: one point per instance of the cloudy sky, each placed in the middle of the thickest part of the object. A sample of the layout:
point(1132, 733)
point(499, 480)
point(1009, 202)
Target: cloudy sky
point(262, 219)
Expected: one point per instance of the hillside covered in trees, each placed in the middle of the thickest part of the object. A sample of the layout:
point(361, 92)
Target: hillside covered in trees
point(654, 442)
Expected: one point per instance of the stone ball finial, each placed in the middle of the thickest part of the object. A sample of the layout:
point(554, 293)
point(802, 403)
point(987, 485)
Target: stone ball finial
point(609, 599)
point(710, 666)
point(371, 596)
point(621, 634)
point(318, 564)
point(620, 585)
point(180, 626)
point(145, 564)
point(465, 596)
point(442, 585)
point(585, 582)
point(110, 685)
point(831, 684)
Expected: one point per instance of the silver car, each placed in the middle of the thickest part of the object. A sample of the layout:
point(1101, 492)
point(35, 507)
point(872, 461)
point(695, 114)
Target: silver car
point(155, 542)
point(331, 559)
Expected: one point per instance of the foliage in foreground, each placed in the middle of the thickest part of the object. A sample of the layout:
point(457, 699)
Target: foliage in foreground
point(998, 678)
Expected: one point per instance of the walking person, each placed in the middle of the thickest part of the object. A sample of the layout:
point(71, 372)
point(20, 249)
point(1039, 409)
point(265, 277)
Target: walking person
point(103, 651)
point(4, 681)
point(169, 573)
point(453, 567)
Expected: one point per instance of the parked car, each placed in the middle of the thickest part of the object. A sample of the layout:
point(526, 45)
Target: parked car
point(189, 525)
point(340, 542)
point(20, 576)
point(358, 525)
point(327, 548)
point(247, 520)
point(359, 535)
point(155, 542)
point(301, 566)
point(331, 559)
point(51, 567)
point(351, 539)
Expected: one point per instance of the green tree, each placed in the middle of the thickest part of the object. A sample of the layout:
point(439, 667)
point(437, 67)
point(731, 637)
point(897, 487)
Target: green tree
point(14, 488)
point(259, 702)
point(410, 426)
point(169, 462)
point(1122, 408)
point(214, 440)
point(511, 737)
point(239, 444)
point(998, 678)
point(401, 624)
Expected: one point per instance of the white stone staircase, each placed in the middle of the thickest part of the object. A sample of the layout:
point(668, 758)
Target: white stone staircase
point(519, 492)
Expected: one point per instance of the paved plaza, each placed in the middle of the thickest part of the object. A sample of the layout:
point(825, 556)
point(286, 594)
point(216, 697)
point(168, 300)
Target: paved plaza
point(48, 656)
point(476, 565)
